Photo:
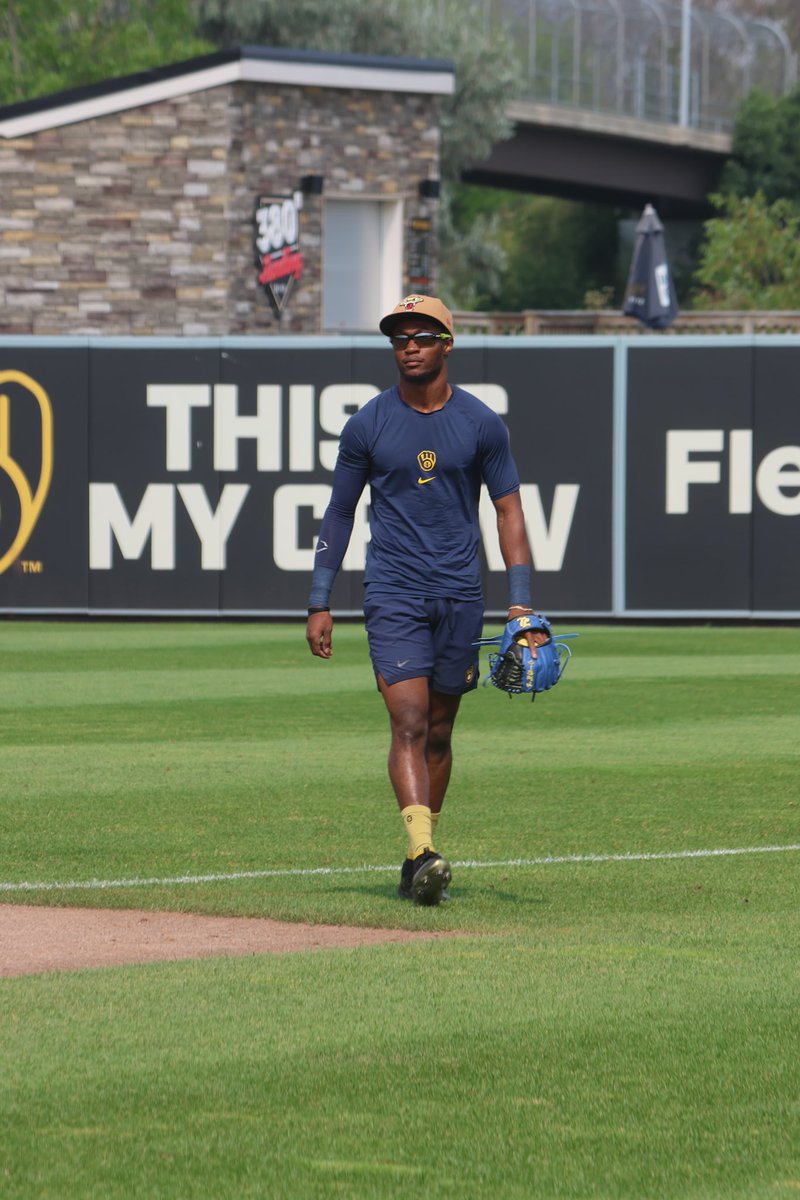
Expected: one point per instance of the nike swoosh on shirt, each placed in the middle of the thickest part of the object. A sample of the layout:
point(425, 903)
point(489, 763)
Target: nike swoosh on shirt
point(430, 479)
point(321, 546)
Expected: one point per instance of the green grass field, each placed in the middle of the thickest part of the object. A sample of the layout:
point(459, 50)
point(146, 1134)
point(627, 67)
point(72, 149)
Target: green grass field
point(620, 1020)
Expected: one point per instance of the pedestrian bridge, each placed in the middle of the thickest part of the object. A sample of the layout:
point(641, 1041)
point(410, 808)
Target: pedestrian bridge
point(597, 157)
point(629, 101)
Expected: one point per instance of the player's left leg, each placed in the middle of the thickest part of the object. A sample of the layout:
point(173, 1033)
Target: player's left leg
point(442, 713)
point(439, 760)
point(457, 627)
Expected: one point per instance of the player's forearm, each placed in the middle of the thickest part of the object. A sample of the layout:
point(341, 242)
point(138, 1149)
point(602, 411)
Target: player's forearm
point(334, 535)
point(515, 551)
point(332, 543)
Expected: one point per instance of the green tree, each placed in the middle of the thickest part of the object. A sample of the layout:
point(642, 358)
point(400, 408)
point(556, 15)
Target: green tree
point(551, 251)
point(473, 261)
point(473, 119)
point(766, 149)
point(750, 258)
point(46, 47)
point(557, 251)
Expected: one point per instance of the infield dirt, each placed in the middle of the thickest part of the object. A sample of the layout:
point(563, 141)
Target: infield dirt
point(35, 939)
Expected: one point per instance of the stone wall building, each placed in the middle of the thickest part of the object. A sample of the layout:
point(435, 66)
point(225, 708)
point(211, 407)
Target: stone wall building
point(130, 207)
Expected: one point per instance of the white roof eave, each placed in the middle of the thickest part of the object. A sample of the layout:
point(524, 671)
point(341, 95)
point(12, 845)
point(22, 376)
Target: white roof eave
point(247, 70)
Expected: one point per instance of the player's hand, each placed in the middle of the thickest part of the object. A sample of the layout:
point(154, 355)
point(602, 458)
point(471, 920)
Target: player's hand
point(318, 634)
point(534, 637)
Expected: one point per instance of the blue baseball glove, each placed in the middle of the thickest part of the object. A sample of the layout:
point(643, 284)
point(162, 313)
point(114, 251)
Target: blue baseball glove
point(513, 669)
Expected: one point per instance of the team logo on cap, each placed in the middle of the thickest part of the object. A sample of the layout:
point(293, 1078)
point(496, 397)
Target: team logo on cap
point(426, 460)
point(411, 302)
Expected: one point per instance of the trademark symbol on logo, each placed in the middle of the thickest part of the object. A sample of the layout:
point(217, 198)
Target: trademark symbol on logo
point(32, 567)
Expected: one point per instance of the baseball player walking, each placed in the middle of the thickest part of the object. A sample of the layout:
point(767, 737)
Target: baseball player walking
point(424, 446)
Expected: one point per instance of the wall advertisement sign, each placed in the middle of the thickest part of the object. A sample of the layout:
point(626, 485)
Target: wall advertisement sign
point(190, 477)
point(713, 479)
point(277, 246)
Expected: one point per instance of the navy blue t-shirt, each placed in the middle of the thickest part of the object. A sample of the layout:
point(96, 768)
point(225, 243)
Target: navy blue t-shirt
point(425, 472)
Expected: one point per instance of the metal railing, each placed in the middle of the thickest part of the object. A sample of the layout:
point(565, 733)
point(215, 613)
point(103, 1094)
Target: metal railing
point(627, 57)
point(606, 321)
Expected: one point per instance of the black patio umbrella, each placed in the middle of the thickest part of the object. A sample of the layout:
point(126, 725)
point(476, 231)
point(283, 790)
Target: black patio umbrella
point(650, 294)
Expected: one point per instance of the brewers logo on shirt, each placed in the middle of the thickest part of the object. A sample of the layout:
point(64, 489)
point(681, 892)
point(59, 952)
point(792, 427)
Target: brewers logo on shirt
point(426, 460)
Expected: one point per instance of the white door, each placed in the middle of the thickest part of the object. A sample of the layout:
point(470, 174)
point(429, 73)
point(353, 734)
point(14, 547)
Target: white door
point(362, 263)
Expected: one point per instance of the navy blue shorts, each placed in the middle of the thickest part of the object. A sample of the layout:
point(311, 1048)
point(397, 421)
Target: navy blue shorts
point(411, 637)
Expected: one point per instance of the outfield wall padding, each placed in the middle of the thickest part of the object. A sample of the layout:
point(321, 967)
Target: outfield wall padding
point(660, 475)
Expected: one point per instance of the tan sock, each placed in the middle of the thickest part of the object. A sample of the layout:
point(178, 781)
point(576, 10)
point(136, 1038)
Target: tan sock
point(417, 821)
point(434, 822)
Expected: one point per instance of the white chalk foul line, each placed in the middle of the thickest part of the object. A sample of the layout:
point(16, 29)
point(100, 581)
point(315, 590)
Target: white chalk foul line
point(300, 872)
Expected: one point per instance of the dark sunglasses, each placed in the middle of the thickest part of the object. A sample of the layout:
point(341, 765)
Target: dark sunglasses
point(424, 340)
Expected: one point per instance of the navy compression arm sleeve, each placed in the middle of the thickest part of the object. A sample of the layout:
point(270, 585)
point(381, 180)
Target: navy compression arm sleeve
point(334, 536)
point(519, 586)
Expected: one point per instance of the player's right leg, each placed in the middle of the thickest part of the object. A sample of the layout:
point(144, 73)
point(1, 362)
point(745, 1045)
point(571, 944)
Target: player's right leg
point(399, 629)
point(426, 873)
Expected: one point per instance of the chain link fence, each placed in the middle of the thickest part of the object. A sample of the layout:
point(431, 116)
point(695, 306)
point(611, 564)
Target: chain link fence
point(624, 57)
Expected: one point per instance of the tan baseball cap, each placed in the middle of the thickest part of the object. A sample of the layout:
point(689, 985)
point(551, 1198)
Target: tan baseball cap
point(418, 306)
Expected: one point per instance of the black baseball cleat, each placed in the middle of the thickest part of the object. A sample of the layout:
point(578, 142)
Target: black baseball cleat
point(425, 879)
point(406, 878)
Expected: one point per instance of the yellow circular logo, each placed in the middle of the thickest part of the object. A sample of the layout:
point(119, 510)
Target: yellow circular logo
point(31, 498)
